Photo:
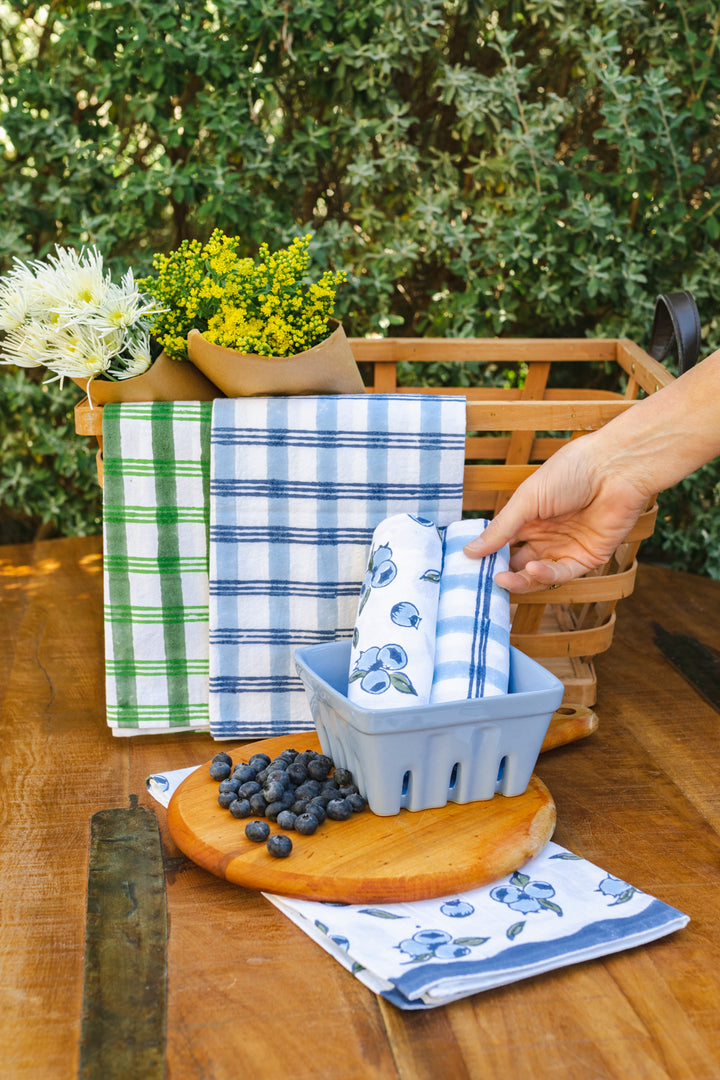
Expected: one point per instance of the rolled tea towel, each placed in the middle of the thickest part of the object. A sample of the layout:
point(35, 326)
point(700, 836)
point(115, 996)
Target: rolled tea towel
point(472, 646)
point(393, 648)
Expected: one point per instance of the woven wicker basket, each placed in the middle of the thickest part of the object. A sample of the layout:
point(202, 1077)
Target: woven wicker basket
point(510, 432)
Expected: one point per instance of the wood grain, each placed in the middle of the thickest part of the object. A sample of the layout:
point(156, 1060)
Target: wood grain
point(368, 859)
point(249, 993)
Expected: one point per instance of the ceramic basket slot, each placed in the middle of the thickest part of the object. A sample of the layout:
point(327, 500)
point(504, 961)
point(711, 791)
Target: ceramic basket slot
point(417, 758)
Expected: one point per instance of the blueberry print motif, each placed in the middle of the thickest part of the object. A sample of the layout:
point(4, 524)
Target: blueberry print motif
point(620, 890)
point(162, 782)
point(381, 570)
point(527, 897)
point(405, 614)
point(380, 668)
point(457, 909)
point(437, 945)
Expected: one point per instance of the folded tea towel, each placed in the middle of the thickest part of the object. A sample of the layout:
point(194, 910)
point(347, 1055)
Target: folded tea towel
point(472, 644)
point(393, 650)
point(298, 486)
point(156, 475)
point(557, 910)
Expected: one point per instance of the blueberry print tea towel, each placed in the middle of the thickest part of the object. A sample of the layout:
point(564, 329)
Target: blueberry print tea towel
point(556, 910)
point(393, 648)
point(298, 486)
point(156, 476)
point(472, 646)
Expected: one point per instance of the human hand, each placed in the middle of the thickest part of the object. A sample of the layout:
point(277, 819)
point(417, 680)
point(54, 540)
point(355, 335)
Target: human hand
point(569, 516)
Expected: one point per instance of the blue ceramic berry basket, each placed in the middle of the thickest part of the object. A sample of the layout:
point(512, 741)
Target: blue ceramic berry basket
point(417, 758)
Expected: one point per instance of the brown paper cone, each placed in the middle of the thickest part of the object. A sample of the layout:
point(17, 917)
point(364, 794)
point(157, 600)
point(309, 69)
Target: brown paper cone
point(164, 380)
point(327, 368)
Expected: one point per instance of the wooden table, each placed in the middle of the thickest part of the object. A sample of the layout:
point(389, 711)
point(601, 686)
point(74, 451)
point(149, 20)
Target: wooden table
point(249, 993)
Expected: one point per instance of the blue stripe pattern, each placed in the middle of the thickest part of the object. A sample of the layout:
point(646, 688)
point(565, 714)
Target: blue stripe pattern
point(472, 639)
point(297, 488)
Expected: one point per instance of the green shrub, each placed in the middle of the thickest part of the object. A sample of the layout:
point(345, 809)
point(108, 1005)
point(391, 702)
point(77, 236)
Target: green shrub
point(532, 168)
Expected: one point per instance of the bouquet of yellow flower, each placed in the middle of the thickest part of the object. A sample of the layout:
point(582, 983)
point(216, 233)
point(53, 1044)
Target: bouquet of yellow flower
point(267, 306)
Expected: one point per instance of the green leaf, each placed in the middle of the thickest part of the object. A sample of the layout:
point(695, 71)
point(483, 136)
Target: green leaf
point(379, 913)
point(513, 931)
point(402, 683)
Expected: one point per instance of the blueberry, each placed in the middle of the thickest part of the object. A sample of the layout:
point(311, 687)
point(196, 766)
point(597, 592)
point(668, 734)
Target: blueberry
point(261, 775)
point(280, 846)
point(342, 777)
point(317, 810)
point(225, 798)
point(260, 761)
point(289, 755)
point(319, 767)
point(304, 757)
point(231, 784)
point(297, 773)
point(357, 802)
point(312, 787)
point(273, 791)
point(272, 810)
point(339, 809)
point(306, 824)
point(323, 799)
point(288, 798)
point(219, 770)
point(240, 808)
point(225, 758)
point(244, 773)
point(258, 804)
point(286, 819)
point(257, 831)
point(348, 789)
point(300, 805)
point(250, 788)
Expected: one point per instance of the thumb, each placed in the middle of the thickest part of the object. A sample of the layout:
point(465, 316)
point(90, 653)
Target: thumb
point(497, 533)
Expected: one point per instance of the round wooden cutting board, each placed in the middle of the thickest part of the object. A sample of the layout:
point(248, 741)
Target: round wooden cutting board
point(368, 859)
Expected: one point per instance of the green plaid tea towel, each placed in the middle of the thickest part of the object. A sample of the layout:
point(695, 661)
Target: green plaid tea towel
point(156, 468)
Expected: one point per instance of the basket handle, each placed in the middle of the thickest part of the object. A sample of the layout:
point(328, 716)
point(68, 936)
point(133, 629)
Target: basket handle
point(677, 321)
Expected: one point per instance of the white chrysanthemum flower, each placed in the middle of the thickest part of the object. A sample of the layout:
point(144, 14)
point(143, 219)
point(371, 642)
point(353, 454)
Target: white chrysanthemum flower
point(13, 307)
point(136, 358)
point(81, 355)
point(124, 306)
point(66, 314)
point(78, 280)
point(25, 347)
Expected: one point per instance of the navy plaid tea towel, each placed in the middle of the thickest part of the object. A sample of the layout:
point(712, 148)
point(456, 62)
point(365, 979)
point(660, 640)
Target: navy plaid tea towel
point(297, 488)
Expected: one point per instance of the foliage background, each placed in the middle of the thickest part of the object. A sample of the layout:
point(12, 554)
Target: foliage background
point(535, 168)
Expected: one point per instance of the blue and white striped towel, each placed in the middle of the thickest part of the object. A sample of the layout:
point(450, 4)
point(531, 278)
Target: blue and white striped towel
point(472, 643)
point(298, 486)
point(393, 650)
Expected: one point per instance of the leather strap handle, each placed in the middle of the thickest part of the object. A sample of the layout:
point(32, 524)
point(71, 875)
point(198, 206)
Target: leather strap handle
point(677, 321)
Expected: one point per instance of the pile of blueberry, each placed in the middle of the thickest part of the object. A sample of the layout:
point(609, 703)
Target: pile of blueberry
point(296, 790)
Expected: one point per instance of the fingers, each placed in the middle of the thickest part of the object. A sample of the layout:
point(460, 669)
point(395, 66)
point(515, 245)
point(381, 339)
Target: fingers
point(540, 574)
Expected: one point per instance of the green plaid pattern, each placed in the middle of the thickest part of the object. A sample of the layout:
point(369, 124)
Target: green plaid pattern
point(156, 472)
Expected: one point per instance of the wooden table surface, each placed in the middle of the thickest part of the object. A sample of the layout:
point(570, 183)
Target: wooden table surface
point(248, 993)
